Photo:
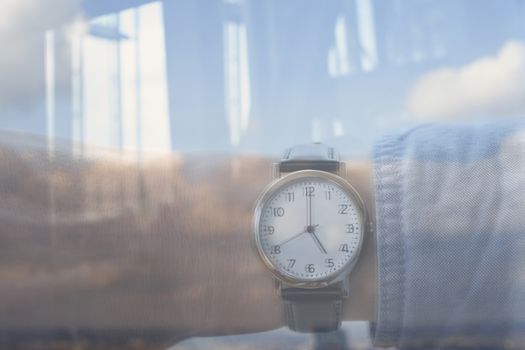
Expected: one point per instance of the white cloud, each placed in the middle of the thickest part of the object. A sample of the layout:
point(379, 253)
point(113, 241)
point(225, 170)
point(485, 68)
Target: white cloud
point(22, 28)
point(487, 87)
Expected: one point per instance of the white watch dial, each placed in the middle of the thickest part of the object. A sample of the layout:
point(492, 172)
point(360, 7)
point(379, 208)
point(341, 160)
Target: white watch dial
point(309, 229)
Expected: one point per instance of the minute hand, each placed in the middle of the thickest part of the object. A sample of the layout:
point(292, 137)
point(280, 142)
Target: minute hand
point(310, 210)
point(292, 238)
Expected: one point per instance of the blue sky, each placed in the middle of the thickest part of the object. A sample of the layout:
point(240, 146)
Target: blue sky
point(251, 76)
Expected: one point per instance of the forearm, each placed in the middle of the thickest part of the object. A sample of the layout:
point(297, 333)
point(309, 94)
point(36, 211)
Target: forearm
point(361, 304)
point(118, 228)
point(151, 239)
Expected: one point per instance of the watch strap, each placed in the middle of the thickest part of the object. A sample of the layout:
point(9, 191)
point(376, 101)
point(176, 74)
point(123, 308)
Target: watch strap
point(316, 156)
point(312, 310)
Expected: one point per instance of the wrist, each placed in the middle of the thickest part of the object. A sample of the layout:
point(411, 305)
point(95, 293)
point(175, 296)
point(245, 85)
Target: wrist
point(361, 304)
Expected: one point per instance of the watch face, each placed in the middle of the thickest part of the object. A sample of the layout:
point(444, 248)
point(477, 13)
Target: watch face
point(309, 226)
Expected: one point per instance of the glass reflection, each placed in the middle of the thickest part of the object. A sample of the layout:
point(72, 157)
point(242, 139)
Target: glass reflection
point(118, 83)
point(352, 335)
point(136, 132)
point(223, 75)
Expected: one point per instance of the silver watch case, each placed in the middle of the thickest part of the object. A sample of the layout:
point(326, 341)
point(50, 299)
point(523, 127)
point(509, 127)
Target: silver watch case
point(267, 194)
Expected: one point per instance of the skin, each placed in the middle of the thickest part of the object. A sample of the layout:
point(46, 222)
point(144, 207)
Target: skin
point(148, 241)
point(361, 305)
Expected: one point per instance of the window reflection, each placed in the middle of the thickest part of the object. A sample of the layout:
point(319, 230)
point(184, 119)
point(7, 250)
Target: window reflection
point(338, 60)
point(118, 83)
point(225, 74)
point(237, 79)
point(139, 77)
point(352, 335)
point(367, 36)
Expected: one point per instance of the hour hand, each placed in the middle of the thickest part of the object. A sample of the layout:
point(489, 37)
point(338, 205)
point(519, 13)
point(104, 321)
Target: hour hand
point(318, 242)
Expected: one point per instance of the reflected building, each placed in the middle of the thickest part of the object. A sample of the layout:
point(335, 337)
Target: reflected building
point(195, 53)
point(116, 73)
point(245, 75)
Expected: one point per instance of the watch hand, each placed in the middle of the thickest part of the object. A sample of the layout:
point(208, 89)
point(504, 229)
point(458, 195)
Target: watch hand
point(311, 228)
point(307, 212)
point(318, 242)
point(292, 238)
point(310, 210)
point(298, 234)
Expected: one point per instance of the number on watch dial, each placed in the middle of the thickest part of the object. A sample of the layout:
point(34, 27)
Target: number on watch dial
point(310, 228)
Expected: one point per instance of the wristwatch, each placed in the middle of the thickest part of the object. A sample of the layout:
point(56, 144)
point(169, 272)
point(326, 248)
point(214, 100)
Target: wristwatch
point(309, 226)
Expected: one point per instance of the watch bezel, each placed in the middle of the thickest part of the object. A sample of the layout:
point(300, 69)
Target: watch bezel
point(275, 186)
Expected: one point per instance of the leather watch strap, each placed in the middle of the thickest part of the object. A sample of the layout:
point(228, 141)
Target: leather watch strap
point(312, 310)
point(316, 156)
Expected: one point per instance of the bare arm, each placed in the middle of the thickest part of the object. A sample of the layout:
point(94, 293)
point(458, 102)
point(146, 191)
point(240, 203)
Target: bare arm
point(165, 244)
point(361, 305)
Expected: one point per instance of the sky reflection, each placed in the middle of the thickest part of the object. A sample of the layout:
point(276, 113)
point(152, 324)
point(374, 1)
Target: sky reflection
point(246, 76)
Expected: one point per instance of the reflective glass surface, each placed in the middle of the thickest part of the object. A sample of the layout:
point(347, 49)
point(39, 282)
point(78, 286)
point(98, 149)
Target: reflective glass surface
point(136, 135)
